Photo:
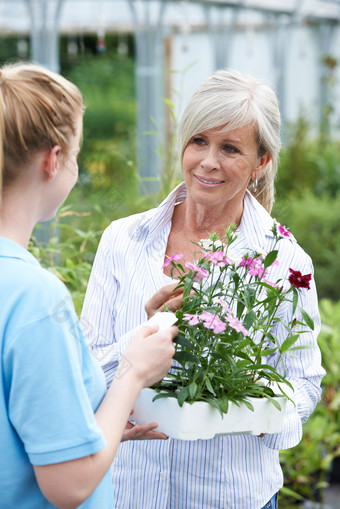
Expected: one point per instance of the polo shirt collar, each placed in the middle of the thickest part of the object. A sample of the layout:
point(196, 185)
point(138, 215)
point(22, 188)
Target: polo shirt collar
point(10, 249)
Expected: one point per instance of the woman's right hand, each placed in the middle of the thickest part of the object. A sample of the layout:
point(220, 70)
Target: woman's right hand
point(149, 354)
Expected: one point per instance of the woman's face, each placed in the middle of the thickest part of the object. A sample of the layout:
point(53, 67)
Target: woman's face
point(217, 166)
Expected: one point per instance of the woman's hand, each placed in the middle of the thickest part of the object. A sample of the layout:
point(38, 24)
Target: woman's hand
point(166, 298)
point(146, 432)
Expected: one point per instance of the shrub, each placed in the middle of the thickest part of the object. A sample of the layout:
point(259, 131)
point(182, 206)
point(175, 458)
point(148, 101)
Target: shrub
point(314, 221)
point(307, 465)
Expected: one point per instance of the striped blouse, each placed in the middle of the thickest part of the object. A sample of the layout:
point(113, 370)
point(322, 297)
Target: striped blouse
point(234, 471)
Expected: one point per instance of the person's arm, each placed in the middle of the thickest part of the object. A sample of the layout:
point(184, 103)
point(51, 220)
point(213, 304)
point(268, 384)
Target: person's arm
point(68, 484)
point(304, 372)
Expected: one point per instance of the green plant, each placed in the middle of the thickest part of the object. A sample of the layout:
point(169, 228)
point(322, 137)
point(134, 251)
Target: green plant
point(227, 322)
point(306, 466)
point(108, 86)
point(69, 252)
point(315, 223)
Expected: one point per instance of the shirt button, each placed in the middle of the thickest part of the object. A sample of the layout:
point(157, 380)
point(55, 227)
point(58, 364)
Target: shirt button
point(162, 475)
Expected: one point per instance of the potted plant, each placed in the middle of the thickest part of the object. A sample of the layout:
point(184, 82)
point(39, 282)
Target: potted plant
point(226, 319)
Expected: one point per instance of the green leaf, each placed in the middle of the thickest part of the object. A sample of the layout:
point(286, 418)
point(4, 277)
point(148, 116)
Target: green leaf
point(274, 401)
point(289, 342)
point(184, 357)
point(248, 404)
point(209, 386)
point(249, 297)
point(249, 319)
point(268, 351)
point(295, 299)
point(309, 321)
point(270, 258)
point(223, 404)
point(182, 395)
point(182, 340)
point(164, 395)
point(192, 389)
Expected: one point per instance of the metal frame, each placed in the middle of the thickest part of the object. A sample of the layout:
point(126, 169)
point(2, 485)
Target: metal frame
point(280, 15)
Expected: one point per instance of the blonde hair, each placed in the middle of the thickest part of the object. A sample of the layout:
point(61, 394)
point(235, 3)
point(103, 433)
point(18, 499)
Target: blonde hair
point(38, 110)
point(231, 99)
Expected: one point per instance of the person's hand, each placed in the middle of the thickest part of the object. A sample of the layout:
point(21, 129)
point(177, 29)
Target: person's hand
point(149, 354)
point(166, 298)
point(146, 432)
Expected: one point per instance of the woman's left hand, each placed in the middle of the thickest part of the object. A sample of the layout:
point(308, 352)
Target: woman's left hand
point(165, 298)
point(146, 432)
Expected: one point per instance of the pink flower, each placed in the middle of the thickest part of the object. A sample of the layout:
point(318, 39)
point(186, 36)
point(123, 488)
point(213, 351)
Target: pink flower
point(219, 259)
point(207, 318)
point(191, 319)
point(211, 321)
point(219, 326)
point(245, 262)
point(200, 273)
point(237, 325)
point(270, 283)
point(225, 306)
point(255, 267)
point(284, 231)
point(174, 258)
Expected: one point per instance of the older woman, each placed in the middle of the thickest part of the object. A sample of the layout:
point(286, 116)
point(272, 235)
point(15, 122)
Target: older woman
point(229, 143)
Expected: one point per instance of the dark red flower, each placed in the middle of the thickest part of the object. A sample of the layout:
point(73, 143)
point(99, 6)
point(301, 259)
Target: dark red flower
point(298, 280)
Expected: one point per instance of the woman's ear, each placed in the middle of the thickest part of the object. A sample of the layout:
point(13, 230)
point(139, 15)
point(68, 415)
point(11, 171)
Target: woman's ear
point(52, 162)
point(262, 163)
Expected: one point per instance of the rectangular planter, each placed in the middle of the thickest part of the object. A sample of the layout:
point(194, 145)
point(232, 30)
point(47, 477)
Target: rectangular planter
point(202, 421)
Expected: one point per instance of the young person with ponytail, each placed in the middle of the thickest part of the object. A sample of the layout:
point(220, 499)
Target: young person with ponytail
point(60, 429)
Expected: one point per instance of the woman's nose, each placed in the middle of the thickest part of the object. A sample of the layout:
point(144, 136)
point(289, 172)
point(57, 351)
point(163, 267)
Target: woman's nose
point(210, 159)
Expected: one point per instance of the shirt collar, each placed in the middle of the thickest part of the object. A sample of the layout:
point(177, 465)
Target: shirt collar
point(10, 249)
point(256, 223)
point(162, 215)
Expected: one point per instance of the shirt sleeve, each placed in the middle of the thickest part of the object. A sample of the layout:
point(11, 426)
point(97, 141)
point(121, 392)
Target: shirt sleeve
point(303, 370)
point(99, 311)
point(49, 405)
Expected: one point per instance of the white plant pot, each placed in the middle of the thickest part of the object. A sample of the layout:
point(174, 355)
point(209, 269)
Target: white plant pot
point(202, 421)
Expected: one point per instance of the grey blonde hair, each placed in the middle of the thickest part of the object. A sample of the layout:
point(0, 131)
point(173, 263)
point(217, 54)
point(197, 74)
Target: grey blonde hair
point(38, 110)
point(230, 100)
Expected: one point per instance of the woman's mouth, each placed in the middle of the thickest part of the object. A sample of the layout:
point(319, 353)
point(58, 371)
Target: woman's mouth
point(208, 182)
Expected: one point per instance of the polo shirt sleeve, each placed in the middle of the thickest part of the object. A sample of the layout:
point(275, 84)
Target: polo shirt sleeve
point(52, 380)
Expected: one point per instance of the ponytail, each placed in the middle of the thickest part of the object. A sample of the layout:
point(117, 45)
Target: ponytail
point(38, 110)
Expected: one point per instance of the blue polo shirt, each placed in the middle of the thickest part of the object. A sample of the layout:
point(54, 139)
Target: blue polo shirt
point(50, 385)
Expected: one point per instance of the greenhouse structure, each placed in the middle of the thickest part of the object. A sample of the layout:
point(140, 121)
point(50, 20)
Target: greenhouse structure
point(294, 45)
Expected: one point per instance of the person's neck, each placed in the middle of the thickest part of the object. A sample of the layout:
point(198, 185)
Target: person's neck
point(199, 221)
point(16, 220)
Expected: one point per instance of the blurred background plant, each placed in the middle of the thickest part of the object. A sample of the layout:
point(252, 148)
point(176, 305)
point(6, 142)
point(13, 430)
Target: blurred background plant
point(314, 462)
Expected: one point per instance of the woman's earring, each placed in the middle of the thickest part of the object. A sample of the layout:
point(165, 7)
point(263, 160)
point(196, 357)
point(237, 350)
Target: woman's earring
point(255, 185)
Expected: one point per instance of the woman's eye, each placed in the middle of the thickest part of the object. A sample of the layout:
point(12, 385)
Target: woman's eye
point(198, 141)
point(230, 149)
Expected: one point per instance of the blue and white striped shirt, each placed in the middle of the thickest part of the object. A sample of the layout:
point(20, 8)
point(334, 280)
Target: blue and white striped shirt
point(235, 471)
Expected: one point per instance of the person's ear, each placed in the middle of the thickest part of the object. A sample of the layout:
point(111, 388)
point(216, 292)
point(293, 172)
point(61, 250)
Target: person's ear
point(52, 162)
point(261, 165)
